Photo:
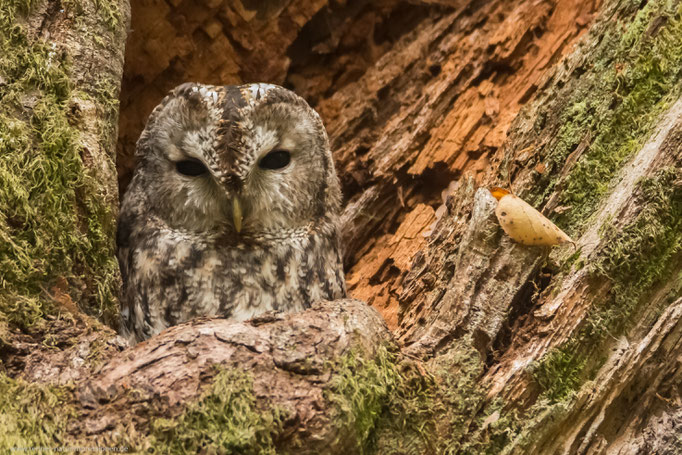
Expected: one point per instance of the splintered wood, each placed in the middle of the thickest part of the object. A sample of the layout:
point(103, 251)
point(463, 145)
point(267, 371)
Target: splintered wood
point(436, 106)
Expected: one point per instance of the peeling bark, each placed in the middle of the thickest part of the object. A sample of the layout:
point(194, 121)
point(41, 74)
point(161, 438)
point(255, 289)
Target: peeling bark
point(632, 378)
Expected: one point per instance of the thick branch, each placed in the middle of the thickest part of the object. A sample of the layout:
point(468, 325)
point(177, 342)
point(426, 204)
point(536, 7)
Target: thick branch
point(290, 359)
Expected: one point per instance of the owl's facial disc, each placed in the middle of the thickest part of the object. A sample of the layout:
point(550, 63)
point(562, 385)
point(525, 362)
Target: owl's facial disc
point(275, 160)
point(282, 170)
point(248, 160)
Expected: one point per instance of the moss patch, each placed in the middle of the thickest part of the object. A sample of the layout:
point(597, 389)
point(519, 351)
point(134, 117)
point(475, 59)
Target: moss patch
point(639, 254)
point(384, 404)
point(55, 225)
point(394, 405)
point(634, 74)
point(225, 420)
point(361, 389)
point(108, 11)
point(613, 110)
point(467, 423)
point(28, 417)
point(559, 373)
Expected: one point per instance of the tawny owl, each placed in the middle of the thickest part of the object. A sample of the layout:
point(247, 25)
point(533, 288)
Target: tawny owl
point(232, 210)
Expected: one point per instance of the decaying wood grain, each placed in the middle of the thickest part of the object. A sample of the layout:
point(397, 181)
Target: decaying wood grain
point(434, 107)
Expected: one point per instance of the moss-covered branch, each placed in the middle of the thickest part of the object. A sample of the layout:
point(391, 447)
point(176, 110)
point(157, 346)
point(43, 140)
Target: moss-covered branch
point(56, 215)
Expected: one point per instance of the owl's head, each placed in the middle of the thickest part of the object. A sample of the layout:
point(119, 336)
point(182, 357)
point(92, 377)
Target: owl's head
point(251, 159)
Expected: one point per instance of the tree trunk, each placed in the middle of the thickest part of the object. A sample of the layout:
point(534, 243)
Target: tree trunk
point(493, 347)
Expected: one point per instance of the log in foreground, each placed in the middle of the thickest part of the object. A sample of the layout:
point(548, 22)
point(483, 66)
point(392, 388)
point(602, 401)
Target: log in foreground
point(258, 383)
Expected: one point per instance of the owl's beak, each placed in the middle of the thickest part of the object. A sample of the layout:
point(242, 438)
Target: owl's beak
point(237, 215)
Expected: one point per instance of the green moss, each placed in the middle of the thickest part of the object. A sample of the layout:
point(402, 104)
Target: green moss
point(361, 390)
point(106, 93)
point(463, 406)
point(108, 11)
point(386, 403)
point(225, 420)
point(28, 417)
point(559, 372)
point(635, 73)
point(395, 405)
point(19, 7)
point(55, 225)
point(636, 258)
point(641, 255)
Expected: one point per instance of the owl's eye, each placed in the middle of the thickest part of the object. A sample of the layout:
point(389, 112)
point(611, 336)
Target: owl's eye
point(192, 168)
point(276, 159)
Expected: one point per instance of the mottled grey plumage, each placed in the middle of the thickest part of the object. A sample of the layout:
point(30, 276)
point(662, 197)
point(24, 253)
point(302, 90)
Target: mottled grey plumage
point(180, 247)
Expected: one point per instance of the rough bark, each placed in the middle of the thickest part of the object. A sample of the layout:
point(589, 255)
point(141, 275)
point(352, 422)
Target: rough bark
point(505, 348)
point(289, 358)
point(436, 106)
point(476, 276)
point(568, 346)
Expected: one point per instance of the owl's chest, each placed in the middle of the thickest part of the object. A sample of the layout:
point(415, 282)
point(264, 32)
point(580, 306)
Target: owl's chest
point(209, 279)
